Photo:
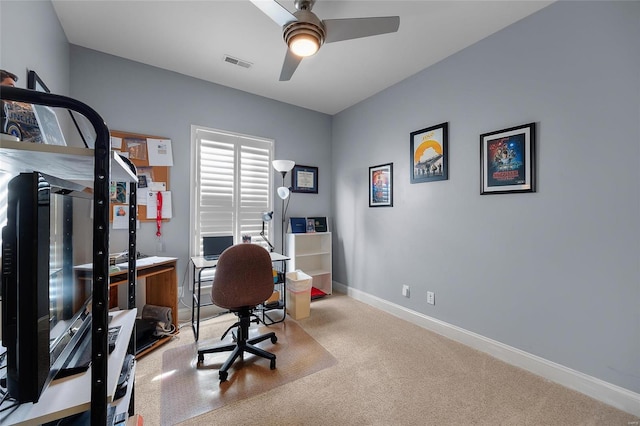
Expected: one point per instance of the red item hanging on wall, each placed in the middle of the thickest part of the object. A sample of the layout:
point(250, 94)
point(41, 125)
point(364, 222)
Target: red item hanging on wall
point(158, 213)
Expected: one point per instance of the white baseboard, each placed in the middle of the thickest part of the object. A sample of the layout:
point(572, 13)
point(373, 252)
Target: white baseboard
point(600, 390)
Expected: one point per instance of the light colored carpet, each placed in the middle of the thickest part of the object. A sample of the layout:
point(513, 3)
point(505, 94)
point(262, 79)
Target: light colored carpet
point(390, 372)
point(188, 390)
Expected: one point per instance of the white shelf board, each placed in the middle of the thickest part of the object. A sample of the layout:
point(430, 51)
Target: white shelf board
point(120, 171)
point(314, 253)
point(70, 395)
point(316, 272)
point(65, 162)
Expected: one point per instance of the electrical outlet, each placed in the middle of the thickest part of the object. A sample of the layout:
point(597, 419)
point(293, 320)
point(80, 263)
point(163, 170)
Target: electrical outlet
point(431, 298)
point(405, 290)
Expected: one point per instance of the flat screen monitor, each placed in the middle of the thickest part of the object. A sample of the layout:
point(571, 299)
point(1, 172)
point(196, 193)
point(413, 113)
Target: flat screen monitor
point(42, 301)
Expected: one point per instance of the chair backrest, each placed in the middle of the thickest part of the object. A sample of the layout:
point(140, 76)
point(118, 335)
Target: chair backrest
point(243, 278)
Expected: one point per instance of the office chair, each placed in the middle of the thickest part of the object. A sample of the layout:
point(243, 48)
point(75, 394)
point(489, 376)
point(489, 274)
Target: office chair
point(243, 280)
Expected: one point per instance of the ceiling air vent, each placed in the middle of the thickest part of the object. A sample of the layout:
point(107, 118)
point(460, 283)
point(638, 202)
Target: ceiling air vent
point(236, 61)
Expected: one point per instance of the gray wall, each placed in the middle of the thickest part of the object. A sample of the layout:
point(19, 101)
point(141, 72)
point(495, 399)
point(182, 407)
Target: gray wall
point(138, 98)
point(31, 38)
point(555, 273)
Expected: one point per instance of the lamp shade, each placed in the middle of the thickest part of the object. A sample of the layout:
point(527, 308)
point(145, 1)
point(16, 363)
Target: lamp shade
point(283, 192)
point(267, 216)
point(304, 45)
point(283, 165)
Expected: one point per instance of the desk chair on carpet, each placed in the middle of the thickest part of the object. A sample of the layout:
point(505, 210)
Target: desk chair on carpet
point(243, 280)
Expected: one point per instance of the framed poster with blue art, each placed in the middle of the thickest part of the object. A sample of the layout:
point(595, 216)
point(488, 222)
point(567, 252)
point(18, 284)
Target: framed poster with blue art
point(507, 160)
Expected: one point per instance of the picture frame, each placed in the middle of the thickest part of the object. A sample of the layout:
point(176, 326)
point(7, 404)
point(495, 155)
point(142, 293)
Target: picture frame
point(304, 179)
point(20, 121)
point(50, 130)
point(297, 225)
point(381, 185)
point(507, 160)
point(82, 124)
point(49, 125)
point(34, 82)
point(319, 223)
point(429, 153)
point(311, 226)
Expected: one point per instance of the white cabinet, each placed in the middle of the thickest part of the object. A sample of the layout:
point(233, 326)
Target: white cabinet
point(311, 253)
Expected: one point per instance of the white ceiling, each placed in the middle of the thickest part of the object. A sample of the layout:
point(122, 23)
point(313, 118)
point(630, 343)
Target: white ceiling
point(192, 37)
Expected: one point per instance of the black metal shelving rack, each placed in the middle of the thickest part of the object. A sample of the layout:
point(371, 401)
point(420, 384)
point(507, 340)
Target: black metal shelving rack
point(101, 182)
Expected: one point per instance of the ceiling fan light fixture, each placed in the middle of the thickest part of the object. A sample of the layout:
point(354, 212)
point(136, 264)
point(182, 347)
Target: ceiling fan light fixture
point(304, 45)
point(305, 36)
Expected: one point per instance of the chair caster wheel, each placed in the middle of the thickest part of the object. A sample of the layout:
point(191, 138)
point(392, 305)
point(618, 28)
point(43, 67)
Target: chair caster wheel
point(273, 364)
point(223, 376)
point(274, 339)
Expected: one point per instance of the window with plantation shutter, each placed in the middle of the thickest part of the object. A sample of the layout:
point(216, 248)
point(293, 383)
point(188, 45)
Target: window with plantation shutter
point(232, 185)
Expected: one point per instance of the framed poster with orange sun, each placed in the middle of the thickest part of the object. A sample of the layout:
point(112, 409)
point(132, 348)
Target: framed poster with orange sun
point(430, 154)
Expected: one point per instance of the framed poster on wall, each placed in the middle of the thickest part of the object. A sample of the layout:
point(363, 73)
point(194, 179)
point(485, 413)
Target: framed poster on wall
point(507, 160)
point(305, 179)
point(429, 154)
point(381, 185)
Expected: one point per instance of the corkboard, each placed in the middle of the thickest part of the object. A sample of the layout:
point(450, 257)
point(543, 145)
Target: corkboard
point(140, 158)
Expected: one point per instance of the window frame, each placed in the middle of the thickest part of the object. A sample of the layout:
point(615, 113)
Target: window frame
point(238, 140)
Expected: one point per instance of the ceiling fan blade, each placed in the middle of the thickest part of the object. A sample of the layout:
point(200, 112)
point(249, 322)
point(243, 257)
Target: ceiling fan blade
point(275, 11)
point(350, 28)
point(289, 66)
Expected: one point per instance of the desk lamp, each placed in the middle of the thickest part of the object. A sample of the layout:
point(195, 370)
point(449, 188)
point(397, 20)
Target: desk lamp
point(266, 217)
point(283, 166)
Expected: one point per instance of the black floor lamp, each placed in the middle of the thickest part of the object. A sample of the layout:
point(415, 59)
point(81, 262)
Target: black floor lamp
point(284, 167)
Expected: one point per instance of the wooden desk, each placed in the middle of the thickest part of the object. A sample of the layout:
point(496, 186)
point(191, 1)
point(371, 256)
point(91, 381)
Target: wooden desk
point(160, 274)
point(201, 264)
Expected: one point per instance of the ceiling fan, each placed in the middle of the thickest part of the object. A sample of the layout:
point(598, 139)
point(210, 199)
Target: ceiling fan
point(304, 32)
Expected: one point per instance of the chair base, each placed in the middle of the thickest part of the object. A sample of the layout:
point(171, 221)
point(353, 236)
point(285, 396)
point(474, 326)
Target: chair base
point(243, 344)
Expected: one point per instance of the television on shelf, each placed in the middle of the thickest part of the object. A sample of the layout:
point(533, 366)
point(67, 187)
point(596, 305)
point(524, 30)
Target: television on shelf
point(44, 306)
